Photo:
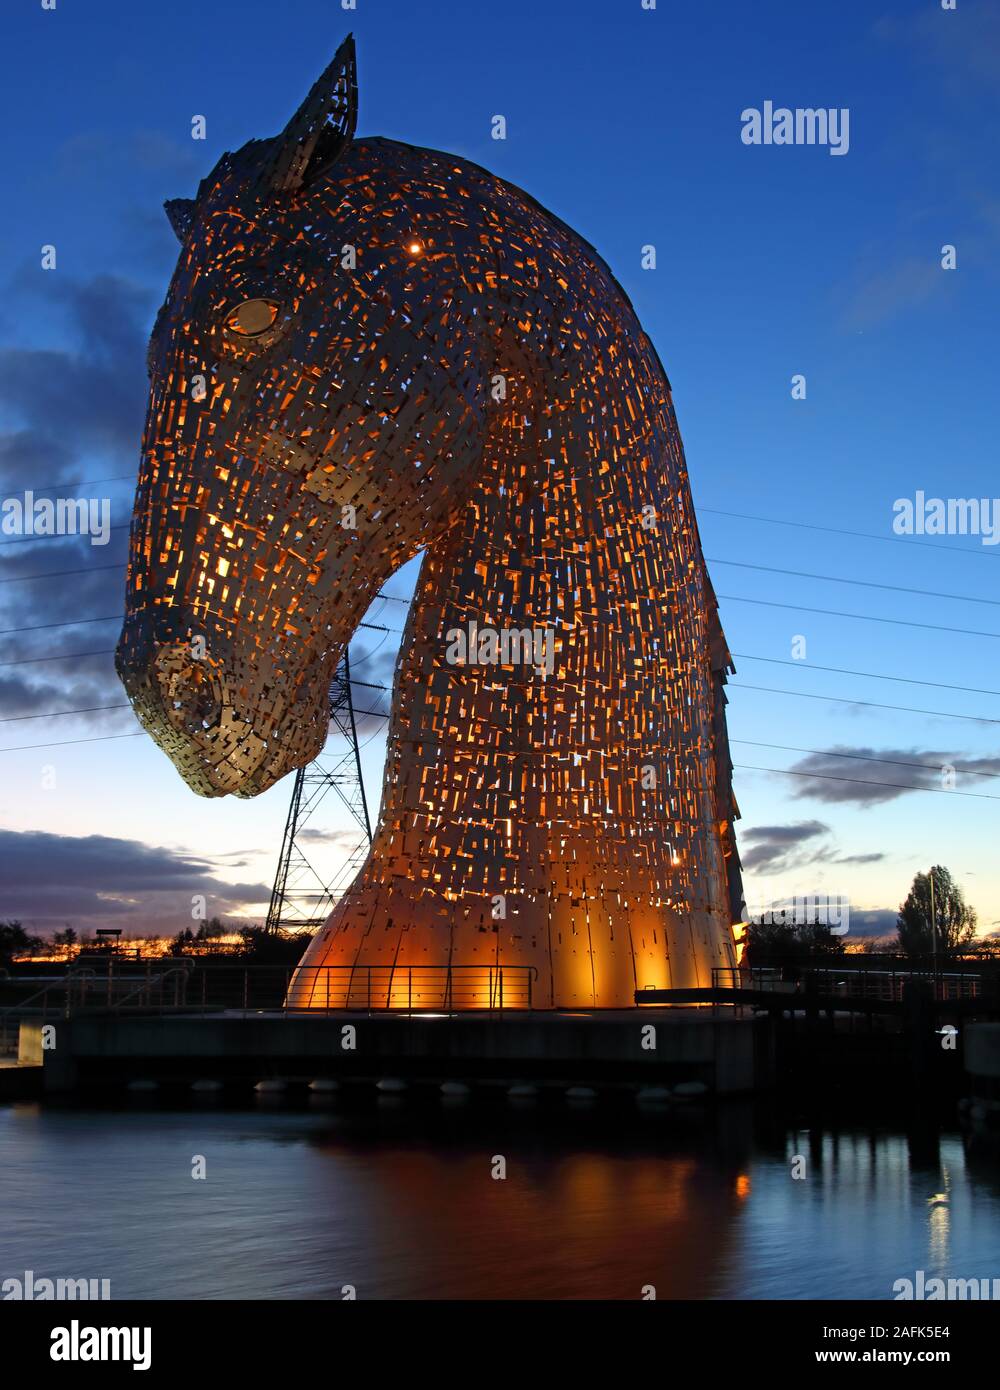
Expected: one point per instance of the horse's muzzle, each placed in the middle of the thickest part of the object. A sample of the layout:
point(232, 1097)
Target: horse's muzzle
point(187, 708)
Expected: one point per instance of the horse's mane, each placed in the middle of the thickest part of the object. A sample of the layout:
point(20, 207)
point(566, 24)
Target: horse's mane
point(255, 152)
point(580, 243)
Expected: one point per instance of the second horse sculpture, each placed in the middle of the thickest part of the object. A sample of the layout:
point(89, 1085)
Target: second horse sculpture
point(369, 351)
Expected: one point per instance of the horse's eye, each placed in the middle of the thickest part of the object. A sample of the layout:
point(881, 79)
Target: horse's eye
point(252, 317)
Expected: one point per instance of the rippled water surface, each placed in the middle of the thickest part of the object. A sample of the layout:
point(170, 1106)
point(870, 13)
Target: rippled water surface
point(402, 1204)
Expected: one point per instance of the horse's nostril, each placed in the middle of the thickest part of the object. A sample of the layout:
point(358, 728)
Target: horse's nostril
point(189, 692)
point(198, 705)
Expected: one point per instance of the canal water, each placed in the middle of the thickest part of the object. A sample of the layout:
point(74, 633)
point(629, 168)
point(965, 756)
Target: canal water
point(398, 1202)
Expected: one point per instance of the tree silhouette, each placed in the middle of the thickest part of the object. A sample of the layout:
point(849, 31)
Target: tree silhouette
point(14, 940)
point(955, 920)
point(784, 939)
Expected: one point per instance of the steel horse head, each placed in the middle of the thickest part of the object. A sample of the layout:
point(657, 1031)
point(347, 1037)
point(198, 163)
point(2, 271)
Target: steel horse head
point(368, 351)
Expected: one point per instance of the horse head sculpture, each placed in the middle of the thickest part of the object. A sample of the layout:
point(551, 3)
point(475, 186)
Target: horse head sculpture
point(369, 351)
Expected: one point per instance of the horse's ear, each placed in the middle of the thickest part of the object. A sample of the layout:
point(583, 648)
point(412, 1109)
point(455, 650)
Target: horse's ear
point(321, 128)
point(180, 213)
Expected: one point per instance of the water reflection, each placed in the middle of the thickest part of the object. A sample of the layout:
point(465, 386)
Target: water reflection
point(402, 1203)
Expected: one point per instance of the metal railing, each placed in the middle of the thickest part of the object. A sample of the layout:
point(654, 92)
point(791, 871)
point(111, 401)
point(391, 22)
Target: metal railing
point(82, 989)
point(885, 985)
point(191, 988)
point(411, 988)
point(49, 1001)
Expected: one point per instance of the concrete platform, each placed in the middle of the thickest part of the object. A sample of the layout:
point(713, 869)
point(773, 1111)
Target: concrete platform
point(19, 1081)
point(647, 1047)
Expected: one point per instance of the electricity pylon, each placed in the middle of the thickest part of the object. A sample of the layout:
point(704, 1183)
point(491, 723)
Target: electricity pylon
point(297, 883)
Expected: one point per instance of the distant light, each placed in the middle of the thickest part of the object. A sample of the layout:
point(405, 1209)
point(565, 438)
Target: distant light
point(415, 248)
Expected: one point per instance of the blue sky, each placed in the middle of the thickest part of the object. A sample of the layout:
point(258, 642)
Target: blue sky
point(771, 262)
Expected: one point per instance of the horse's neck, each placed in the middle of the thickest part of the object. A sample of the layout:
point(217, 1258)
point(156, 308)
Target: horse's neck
point(579, 528)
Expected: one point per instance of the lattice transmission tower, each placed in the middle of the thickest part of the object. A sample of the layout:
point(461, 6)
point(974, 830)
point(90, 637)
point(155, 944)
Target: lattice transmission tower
point(302, 899)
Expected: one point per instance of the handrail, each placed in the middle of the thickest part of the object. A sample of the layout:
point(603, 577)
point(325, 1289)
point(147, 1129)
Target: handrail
point(302, 990)
point(75, 976)
point(149, 981)
point(392, 987)
point(11, 1008)
point(852, 982)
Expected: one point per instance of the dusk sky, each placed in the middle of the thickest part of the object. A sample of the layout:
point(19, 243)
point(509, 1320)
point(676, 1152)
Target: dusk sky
point(771, 262)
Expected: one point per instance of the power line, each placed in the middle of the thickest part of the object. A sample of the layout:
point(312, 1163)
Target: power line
point(729, 598)
point(369, 685)
point(83, 482)
point(138, 733)
point(710, 511)
point(859, 617)
point(734, 685)
point(752, 743)
point(870, 675)
point(117, 617)
point(65, 743)
point(61, 574)
point(897, 786)
point(839, 531)
point(861, 757)
point(860, 583)
point(58, 713)
point(872, 704)
point(65, 536)
point(743, 767)
point(60, 656)
point(739, 656)
point(72, 622)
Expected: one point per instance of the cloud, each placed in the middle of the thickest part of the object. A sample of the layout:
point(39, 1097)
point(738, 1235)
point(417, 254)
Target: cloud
point(53, 879)
point(876, 922)
point(876, 775)
point(342, 839)
point(891, 291)
point(778, 848)
point(774, 847)
point(94, 154)
point(35, 460)
point(90, 390)
point(132, 173)
point(963, 47)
